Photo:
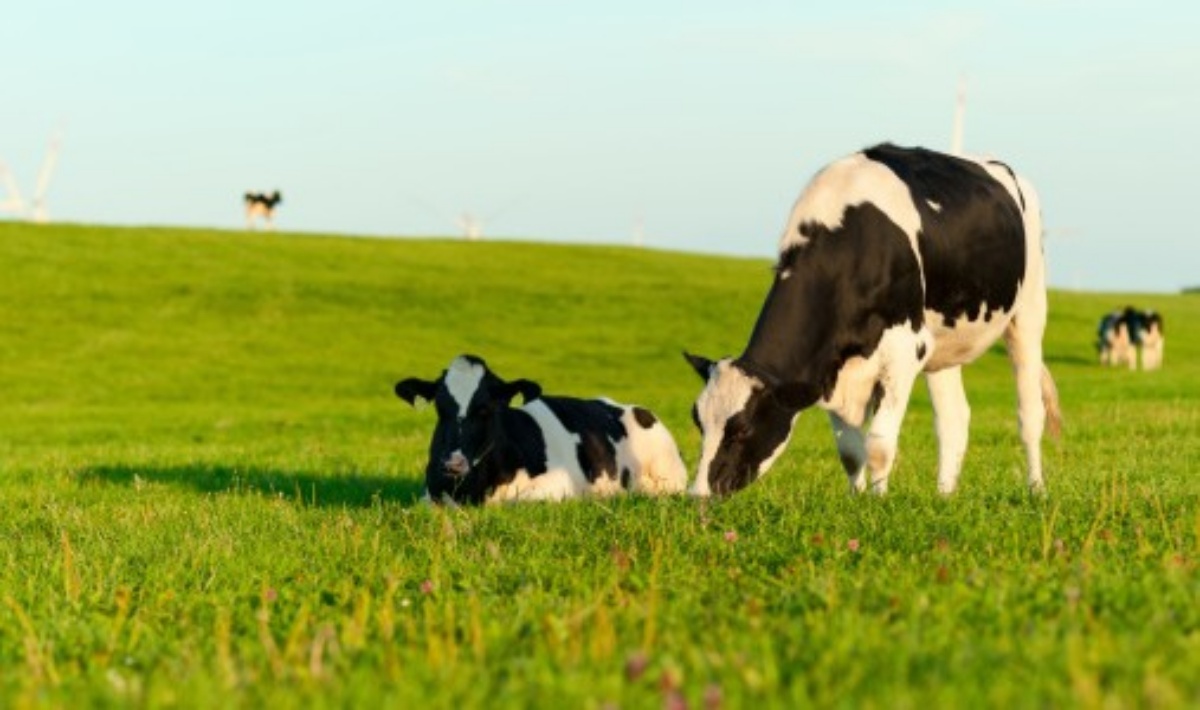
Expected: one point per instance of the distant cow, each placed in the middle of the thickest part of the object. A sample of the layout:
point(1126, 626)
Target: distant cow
point(1153, 341)
point(1123, 334)
point(894, 262)
point(262, 205)
point(1115, 338)
point(550, 448)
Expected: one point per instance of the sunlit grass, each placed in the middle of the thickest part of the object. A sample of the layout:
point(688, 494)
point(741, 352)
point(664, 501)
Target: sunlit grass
point(208, 498)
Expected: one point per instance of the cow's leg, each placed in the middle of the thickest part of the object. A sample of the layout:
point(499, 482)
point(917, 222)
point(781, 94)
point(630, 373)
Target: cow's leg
point(852, 450)
point(1024, 341)
point(885, 429)
point(951, 420)
point(1152, 354)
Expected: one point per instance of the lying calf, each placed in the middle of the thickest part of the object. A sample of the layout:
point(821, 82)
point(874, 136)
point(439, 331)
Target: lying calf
point(484, 450)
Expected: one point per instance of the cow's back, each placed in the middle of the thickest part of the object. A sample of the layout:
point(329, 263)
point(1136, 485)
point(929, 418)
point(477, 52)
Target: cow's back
point(598, 447)
point(972, 236)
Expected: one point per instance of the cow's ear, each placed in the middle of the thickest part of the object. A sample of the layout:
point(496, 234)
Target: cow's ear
point(505, 391)
point(413, 389)
point(702, 365)
point(793, 396)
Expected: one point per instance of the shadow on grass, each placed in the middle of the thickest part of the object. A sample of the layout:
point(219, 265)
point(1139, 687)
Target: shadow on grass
point(310, 489)
point(1069, 360)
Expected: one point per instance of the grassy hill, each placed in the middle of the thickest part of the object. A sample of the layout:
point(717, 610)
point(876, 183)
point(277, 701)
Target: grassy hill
point(207, 497)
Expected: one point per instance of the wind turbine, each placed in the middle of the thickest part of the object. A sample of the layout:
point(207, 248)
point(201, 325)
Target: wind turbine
point(960, 116)
point(470, 224)
point(15, 203)
point(39, 213)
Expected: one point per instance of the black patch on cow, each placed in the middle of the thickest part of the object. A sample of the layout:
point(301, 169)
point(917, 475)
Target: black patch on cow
point(832, 299)
point(598, 425)
point(626, 477)
point(1013, 175)
point(972, 246)
point(878, 392)
point(921, 350)
point(511, 441)
point(644, 417)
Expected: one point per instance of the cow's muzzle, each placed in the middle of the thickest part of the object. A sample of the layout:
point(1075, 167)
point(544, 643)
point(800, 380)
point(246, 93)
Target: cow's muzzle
point(457, 465)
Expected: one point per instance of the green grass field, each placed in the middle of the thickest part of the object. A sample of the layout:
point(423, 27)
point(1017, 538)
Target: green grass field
point(208, 497)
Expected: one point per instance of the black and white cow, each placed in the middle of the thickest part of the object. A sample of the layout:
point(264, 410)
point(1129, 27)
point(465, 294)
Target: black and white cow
point(550, 448)
point(1115, 338)
point(1124, 334)
point(261, 205)
point(1112, 339)
point(1154, 340)
point(894, 262)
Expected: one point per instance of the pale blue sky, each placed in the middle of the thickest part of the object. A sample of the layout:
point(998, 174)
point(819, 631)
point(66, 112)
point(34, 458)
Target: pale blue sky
point(578, 122)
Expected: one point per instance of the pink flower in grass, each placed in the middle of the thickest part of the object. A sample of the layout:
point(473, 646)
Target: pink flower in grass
point(852, 544)
point(731, 536)
point(427, 586)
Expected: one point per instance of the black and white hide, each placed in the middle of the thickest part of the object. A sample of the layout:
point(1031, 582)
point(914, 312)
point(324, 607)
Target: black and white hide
point(1125, 336)
point(261, 205)
point(550, 448)
point(894, 262)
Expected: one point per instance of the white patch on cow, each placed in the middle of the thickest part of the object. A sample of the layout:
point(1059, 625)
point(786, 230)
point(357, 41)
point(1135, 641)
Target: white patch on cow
point(554, 485)
point(951, 421)
point(1000, 172)
point(727, 392)
point(1153, 344)
point(936, 207)
point(562, 447)
point(785, 274)
point(651, 457)
point(854, 180)
point(462, 380)
point(966, 340)
point(896, 357)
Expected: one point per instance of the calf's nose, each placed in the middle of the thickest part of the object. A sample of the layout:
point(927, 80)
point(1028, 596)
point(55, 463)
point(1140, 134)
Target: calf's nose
point(457, 464)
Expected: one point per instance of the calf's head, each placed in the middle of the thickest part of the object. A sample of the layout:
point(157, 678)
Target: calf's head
point(470, 401)
point(745, 421)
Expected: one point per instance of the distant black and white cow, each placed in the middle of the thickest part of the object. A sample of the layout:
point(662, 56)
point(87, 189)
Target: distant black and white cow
point(1154, 340)
point(262, 205)
point(1124, 334)
point(894, 262)
point(1112, 339)
point(550, 448)
point(1115, 338)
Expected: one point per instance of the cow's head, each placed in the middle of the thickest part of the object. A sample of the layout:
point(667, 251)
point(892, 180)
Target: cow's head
point(470, 400)
point(745, 421)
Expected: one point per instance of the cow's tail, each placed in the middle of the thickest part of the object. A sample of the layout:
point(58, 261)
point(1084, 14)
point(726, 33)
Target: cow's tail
point(1050, 400)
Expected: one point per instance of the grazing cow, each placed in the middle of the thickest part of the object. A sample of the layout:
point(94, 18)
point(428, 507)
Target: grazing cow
point(1113, 340)
point(1116, 338)
point(1125, 334)
point(1153, 340)
point(262, 205)
point(550, 448)
point(894, 262)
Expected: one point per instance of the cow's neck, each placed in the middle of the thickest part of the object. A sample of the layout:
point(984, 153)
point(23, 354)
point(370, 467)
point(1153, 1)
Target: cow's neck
point(790, 342)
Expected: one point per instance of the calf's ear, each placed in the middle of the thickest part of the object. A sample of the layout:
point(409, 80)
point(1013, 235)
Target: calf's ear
point(702, 365)
point(505, 391)
point(412, 389)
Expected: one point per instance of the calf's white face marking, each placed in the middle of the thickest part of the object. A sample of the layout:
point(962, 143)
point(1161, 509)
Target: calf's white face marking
point(462, 381)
